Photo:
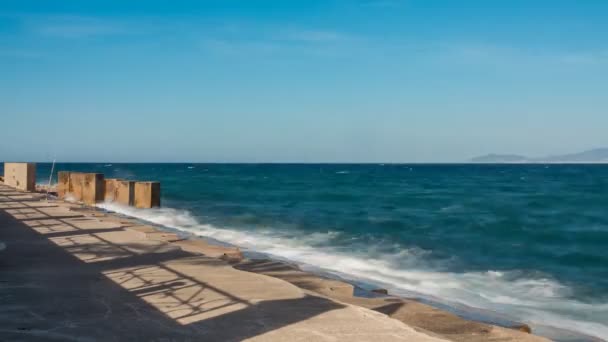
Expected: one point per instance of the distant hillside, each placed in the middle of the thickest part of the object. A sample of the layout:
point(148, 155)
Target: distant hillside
point(500, 158)
point(598, 155)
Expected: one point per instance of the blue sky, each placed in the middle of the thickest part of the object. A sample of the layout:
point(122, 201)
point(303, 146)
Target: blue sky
point(309, 81)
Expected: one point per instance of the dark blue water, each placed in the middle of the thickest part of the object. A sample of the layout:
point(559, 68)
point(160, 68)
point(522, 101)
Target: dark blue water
point(529, 241)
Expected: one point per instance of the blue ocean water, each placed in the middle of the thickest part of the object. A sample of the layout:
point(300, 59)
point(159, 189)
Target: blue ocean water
point(526, 241)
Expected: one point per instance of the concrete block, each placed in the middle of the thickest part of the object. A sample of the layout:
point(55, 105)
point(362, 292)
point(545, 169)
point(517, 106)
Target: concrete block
point(119, 191)
point(81, 187)
point(125, 192)
point(63, 183)
point(92, 187)
point(110, 189)
point(147, 194)
point(21, 176)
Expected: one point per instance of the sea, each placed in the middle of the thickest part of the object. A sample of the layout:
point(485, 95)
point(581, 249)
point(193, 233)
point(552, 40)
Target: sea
point(527, 243)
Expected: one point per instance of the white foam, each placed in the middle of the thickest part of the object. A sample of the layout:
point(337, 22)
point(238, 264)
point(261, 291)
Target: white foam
point(69, 198)
point(536, 301)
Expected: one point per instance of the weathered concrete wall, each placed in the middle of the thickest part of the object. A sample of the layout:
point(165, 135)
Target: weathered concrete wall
point(147, 195)
point(91, 188)
point(82, 187)
point(63, 183)
point(21, 176)
point(110, 189)
point(119, 191)
point(126, 192)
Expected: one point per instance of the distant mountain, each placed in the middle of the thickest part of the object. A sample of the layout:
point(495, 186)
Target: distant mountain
point(598, 155)
point(500, 158)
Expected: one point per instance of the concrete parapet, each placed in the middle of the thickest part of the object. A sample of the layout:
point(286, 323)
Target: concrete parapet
point(81, 187)
point(21, 176)
point(119, 191)
point(147, 195)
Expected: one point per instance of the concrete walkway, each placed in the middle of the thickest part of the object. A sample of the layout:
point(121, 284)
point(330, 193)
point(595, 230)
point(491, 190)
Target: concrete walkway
point(71, 275)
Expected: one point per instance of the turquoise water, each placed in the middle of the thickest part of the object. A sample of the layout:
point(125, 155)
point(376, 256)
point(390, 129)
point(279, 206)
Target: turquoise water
point(527, 241)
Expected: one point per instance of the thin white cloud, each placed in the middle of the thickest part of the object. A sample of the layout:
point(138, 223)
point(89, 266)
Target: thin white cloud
point(18, 53)
point(231, 47)
point(506, 54)
point(265, 40)
point(69, 26)
point(238, 47)
point(585, 57)
point(315, 36)
point(382, 3)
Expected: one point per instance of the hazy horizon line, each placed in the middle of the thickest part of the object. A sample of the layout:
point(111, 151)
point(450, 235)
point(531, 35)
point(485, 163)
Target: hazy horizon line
point(317, 162)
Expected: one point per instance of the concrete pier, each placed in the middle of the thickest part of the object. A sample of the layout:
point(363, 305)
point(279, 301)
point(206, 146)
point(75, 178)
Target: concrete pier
point(72, 275)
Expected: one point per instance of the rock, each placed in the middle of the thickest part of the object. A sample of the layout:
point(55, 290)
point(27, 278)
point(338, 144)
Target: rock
point(522, 327)
point(232, 256)
point(380, 291)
